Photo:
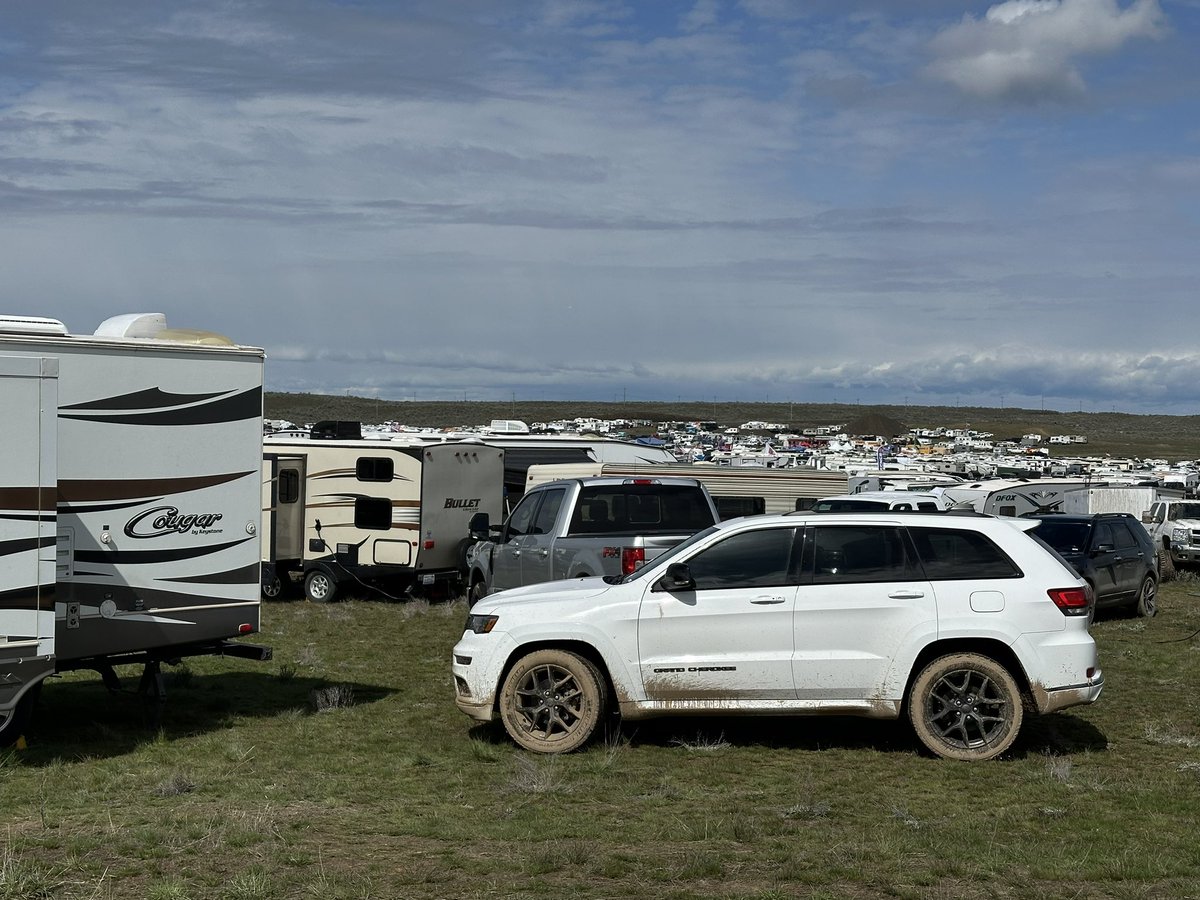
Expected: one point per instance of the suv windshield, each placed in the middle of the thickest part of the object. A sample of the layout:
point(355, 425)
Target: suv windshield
point(1185, 511)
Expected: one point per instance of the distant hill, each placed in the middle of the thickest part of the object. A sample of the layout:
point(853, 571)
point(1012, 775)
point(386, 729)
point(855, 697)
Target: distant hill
point(1117, 434)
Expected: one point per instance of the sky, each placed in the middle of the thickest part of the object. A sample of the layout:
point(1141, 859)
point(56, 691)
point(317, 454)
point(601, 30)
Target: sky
point(858, 201)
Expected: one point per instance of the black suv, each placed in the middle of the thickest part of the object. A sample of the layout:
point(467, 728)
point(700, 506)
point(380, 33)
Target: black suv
point(1111, 551)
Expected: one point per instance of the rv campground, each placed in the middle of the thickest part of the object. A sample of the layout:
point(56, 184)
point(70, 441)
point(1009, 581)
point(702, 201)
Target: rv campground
point(342, 769)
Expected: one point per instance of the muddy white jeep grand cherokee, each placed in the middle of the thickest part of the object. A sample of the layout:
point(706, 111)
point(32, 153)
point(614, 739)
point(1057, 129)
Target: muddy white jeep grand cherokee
point(962, 623)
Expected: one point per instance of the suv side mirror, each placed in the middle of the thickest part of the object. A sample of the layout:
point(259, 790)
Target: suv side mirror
point(479, 526)
point(1103, 548)
point(1147, 517)
point(678, 578)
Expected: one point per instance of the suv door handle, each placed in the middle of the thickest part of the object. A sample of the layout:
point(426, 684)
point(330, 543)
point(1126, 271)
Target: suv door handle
point(906, 595)
point(767, 601)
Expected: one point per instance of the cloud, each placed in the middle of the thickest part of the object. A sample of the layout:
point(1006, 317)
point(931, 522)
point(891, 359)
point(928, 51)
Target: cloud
point(1028, 51)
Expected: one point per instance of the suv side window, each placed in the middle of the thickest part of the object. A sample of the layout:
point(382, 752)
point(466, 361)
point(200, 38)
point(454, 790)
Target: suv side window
point(861, 553)
point(1102, 536)
point(949, 553)
point(764, 558)
point(1123, 536)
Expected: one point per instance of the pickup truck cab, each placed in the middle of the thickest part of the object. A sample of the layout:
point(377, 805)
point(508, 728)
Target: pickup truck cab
point(1174, 526)
point(580, 527)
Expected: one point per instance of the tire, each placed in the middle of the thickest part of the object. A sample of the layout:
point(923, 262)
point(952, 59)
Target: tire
point(552, 701)
point(12, 724)
point(965, 706)
point(272, 588)
point(319, 587)
point(476, 592)
point(1166, 565)
point(1147, 598)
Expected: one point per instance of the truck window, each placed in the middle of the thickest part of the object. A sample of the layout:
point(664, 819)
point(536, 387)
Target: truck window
point(521, 520)
point(547, 513)
point(640, 508)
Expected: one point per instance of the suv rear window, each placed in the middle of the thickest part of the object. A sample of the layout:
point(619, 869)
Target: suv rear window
point(642, 509)
point(949, 554)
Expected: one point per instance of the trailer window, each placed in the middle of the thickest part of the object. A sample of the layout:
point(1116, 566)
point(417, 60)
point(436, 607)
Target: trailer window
point(289, 486)
point(735, 507)
point(373, 513)
point(374, 468)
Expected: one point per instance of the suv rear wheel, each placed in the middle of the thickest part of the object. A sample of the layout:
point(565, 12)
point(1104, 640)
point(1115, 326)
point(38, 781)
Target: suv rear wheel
point(965, 706)
point(552, 700)
point(1147, 599)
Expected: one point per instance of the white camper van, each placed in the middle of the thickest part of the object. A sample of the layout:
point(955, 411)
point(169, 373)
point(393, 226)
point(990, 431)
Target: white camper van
point(380, 515)
point(129, 517)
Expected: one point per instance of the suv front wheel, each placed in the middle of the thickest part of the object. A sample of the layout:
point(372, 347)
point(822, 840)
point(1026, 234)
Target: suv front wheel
point(552, 700)
point(965, 706)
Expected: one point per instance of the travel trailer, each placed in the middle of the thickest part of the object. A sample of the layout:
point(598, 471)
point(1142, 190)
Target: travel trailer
point(737, 491)
point(378, 515)
point(1011, 497)
point(128, 501)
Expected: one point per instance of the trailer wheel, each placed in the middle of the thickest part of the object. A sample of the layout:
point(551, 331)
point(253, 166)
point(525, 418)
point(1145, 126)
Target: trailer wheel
point(12, 724)
point(272, 588)
point(319, 587)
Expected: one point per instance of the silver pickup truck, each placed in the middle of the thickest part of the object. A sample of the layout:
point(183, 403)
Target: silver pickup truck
point(578, 527)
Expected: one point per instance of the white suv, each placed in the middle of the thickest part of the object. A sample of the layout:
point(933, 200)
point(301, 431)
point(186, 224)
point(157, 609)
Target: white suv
point(962, 622)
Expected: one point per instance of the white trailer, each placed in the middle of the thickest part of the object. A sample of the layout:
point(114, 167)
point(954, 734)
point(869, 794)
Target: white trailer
point(128, 500)
point(1010, 497)
point(737, 491)
point(380, 515)
point(1132, 499)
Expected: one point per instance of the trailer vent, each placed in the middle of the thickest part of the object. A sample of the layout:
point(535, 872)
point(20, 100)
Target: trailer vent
point(31, 325)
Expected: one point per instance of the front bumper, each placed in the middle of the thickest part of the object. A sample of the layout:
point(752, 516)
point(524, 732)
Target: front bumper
point(476, 663)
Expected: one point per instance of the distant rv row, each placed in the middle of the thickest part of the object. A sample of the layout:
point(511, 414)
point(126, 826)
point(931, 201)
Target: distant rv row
point(392, 512)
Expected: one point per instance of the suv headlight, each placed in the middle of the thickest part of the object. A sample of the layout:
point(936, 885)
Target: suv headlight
point(481, 624)
point(1180, 536)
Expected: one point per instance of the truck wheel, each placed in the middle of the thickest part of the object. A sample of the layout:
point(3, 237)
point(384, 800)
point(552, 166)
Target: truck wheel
point(476, 592)
point(319, 587)
point(965, 706)
point(1166, 565)
point(552, 701)
point(1147, 599)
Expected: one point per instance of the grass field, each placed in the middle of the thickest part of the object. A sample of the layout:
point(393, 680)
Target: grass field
point(342, 769)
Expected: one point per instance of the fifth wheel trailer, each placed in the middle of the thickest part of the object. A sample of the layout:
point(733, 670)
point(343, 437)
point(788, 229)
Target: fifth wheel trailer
point(129, 488)
point(344, 514)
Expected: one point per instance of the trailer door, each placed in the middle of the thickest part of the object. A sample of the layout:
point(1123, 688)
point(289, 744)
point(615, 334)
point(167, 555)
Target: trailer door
point(28, 498)
point(283, 531)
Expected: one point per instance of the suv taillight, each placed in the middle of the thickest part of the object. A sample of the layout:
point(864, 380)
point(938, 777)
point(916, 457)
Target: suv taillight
point(632, 559)
point(1072, 601)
